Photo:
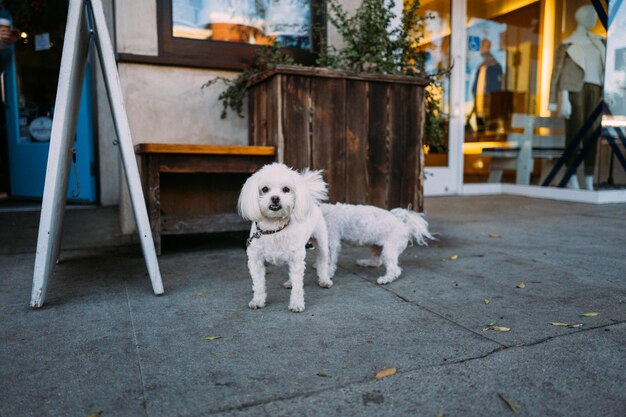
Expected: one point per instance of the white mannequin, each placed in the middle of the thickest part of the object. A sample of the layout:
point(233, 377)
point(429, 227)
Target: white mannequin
point(586, 17)
point(590, 59)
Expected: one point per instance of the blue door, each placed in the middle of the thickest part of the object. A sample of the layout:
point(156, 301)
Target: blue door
point(28, 143)
point(30, 85)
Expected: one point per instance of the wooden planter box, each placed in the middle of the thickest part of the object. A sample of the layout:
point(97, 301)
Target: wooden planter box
point(364, 130)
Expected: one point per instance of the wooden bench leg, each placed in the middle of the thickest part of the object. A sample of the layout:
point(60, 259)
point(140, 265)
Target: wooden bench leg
point(153, 197)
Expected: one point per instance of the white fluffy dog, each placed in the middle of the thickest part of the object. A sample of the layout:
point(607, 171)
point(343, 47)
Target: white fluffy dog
point(387, 232)
point(284, 208)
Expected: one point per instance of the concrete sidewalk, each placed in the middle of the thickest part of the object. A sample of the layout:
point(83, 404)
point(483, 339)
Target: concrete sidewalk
point(104, 344)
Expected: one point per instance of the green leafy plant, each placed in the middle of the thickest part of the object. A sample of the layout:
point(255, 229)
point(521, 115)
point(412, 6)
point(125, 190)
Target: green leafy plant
point(266, 58)
point(373, 43)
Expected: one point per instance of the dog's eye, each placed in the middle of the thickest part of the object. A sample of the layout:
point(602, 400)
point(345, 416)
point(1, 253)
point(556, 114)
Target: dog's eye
point(265, 189)
point(286, 189)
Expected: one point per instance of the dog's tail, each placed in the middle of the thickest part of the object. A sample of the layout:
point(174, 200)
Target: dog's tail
point(418, 226)
point(315, 184)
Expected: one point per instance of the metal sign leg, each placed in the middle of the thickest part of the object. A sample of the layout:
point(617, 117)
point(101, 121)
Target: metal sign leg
point(71, 76)
point(122, 127)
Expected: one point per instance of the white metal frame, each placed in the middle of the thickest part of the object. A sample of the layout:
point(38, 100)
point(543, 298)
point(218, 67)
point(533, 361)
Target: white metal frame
point(85, 22)
point(449, 180)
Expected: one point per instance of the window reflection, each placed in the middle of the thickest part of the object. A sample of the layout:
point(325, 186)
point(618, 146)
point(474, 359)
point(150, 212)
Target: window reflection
point(436, 42)
point(257, 22)
point(522, 58)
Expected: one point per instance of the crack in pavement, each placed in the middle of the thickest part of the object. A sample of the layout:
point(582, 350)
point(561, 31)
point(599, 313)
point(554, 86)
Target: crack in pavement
point(144, 402)
point(414, 303)
point(348, 384)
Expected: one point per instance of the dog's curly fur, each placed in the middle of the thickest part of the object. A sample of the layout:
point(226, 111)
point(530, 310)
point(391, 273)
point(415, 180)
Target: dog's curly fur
point(277, 198)
point(387, 233)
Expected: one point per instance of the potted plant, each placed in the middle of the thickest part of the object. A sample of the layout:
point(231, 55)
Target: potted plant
point(361, 114)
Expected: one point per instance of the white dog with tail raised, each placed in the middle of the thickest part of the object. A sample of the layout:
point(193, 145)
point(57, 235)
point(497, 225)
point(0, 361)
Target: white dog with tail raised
point(387, 233)
point(284, 208)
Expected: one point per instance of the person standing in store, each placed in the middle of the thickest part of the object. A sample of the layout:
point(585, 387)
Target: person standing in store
point(488, 80)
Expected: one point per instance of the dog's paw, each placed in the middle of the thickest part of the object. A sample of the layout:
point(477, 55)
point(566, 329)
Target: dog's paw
point(296, 307)
point(287, 284)
point(256, 303)
point(325, 283)
point(385, 280)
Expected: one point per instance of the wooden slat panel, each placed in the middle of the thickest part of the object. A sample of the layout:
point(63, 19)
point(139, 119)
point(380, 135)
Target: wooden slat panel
point(315, 72)
point(173, 225)
point(414, 170)
point(212, 163)
point(296, 107)
point(357, 126)
point(153, 198)
point(379, 146)
point(272, 116)
point(191, 149)
point(399, 109)
point(257, 115)
point(328, 135)
point(369, 140)
point(200, 195)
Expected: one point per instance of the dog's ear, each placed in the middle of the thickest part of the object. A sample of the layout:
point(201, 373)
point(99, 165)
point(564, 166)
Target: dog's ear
point(304, 200)
point(248, 204)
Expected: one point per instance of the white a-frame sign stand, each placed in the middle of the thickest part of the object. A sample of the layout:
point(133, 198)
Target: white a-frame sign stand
point(85, 21)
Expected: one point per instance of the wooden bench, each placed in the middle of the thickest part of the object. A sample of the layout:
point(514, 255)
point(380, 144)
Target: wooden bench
point(194, 188)
point(534, 138)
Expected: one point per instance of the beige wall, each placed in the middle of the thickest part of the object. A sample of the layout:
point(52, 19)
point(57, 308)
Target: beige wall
point(136, 26)
point(169, 105)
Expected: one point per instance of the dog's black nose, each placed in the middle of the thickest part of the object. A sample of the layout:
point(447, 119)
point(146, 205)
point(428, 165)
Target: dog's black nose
point(275, 200)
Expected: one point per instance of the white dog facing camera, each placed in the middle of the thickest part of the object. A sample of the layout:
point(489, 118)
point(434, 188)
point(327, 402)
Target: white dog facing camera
point(284, 208)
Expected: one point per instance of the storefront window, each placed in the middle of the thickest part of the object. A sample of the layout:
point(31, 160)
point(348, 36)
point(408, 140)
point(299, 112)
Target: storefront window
point(615, 84)
point(531, 64)
point(226, 33)
point(256, 22)
point(436, 42)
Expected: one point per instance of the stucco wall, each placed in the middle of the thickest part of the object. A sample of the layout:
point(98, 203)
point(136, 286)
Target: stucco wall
point(168, 104)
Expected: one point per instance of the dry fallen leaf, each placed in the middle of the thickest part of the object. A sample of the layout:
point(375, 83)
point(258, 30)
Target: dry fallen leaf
point(385, 373)
point(509, 403)
point(454, 257)
point(501, 328)
point(212, 337)
point(486, 300)
point(571, 326)
point(490, 325)
point(589, 314)
point(494, 235)
point(521, 285)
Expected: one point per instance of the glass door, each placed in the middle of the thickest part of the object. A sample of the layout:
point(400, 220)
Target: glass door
point(445, 45)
